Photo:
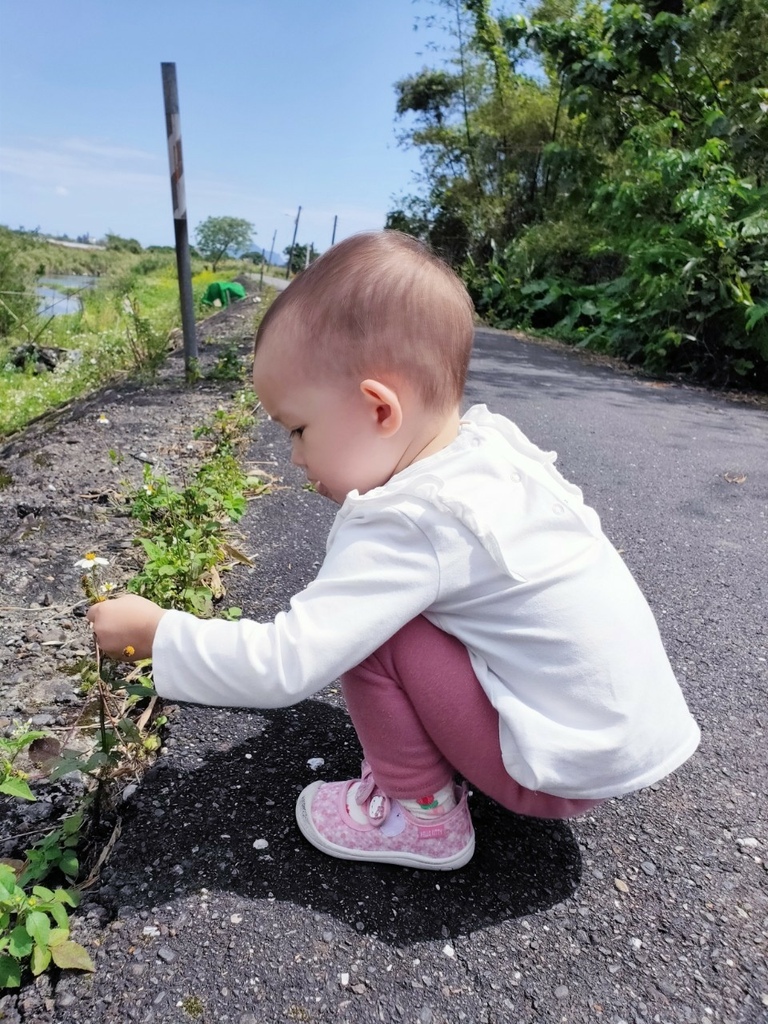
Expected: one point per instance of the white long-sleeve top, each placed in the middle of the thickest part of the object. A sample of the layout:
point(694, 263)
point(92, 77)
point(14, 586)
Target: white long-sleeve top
point(489, 542)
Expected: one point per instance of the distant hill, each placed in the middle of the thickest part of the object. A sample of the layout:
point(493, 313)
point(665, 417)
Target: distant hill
point(278, 260)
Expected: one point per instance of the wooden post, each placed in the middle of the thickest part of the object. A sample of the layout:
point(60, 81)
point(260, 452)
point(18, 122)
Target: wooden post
point(293, 244)
point(181, 232)
point(269, 261)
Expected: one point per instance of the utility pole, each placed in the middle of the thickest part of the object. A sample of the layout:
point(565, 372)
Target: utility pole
point(181, 232)
point(293, 244)
point(269, 261)
point(333, 236)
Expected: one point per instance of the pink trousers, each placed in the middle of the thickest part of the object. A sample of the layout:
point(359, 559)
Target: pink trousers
point(421, 716)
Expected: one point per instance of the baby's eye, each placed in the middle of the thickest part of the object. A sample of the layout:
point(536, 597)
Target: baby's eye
point(297, 432)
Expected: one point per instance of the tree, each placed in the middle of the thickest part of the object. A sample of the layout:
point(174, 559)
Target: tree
point(600, 170)
point(299, 257)
point(254, 255)
point(218, 237)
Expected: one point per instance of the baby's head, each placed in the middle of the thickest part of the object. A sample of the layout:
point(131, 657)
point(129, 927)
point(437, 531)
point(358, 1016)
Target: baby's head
point(378, 305)
point(362, 359)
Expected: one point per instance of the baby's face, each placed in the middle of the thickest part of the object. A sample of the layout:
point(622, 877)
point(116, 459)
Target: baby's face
point(331, 426)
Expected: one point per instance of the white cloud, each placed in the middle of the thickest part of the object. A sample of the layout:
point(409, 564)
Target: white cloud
point(74, 163)
point(103, 149)
point(61, 191)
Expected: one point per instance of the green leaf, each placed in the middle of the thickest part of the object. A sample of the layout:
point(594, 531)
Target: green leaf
point(20, 945)
point(10, 972)
point(57, 936)
point(129, 730)
point(73, 823)
point(755, 314)
point(39, 927)
point(69, 896)
point(69, 863)
point(17, 787)
point(41, 958)
point(59, 915)
point(7, 879)
point(72, 956)
point(67, 765)
point(43, 892)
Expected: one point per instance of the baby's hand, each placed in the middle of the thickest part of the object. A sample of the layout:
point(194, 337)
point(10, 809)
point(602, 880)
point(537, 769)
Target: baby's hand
point(125, 628)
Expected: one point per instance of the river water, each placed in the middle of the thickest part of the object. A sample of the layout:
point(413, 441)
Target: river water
point(52, 302)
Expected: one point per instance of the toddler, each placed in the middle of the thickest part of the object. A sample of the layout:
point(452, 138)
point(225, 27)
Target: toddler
point(480, 621)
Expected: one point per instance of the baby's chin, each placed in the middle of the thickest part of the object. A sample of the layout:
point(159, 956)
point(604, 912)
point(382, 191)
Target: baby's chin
point(323, 490)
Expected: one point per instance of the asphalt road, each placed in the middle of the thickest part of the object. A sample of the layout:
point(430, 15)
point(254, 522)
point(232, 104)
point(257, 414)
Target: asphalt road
point(651, 909)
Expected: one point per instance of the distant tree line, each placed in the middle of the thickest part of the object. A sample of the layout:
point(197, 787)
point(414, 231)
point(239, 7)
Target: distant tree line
point(599, 172)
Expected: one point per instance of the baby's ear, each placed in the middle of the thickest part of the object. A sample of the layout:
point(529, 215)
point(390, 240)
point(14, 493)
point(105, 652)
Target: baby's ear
point(384, 406)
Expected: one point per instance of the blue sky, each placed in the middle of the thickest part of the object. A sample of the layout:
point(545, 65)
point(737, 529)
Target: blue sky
point(283, 102)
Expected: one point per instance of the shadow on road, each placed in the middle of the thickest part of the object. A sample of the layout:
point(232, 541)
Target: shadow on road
point(196, 816)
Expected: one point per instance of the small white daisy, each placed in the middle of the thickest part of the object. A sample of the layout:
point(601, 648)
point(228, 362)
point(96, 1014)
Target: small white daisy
point(90, 561)
point(103, 418)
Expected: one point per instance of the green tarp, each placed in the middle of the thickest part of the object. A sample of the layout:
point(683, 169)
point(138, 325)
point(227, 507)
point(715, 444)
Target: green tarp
point(224, 291)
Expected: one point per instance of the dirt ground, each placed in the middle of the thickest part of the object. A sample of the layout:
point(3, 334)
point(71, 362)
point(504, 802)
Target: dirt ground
point(60, 497)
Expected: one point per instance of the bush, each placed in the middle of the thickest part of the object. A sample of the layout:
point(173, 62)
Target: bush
point(18, 302)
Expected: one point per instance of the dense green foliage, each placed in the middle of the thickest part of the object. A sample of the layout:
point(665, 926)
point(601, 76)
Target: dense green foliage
point(300, 256)
point(599, 172)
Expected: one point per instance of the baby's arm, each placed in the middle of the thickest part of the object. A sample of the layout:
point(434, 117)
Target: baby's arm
point(367, 589)
point(126, 623)
point(376, 577)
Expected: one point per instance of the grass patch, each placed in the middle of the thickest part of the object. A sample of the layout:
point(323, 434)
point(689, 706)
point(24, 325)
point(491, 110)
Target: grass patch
point(123, 327)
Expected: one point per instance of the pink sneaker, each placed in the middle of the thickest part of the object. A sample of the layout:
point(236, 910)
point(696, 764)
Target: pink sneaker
point(391, 835)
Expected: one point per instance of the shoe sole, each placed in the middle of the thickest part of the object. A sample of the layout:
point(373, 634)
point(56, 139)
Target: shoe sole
point(404, 859)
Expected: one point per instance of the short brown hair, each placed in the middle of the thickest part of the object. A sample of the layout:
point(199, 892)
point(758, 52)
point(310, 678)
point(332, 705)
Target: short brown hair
point(381, 303)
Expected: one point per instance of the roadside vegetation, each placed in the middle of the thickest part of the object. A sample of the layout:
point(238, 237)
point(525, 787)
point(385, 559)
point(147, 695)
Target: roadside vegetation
point(184, 529)
point(124, 324)
point(598, 172)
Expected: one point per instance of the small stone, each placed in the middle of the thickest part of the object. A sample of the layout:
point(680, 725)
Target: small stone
point(359, 988)
point(425, 1017)
point(236, 918)
point(344, 979)
point(449, 951)
point(260, 844)
point(621, 885)
point(42, 720)
point(166, 954)
point(327, 936)
point(561, 992)
point(748, 842)
point(151, 931)
point(636, 943)
point(648, 868)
